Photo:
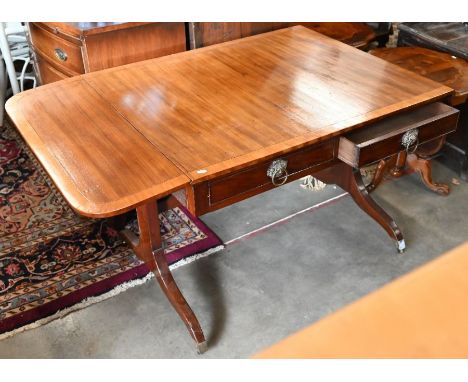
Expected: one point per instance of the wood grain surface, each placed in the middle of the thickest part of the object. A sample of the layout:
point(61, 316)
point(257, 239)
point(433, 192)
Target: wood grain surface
point(203, 34)
point(99, 162)
point(78, 30)
point(420, 315)
point(441, 67)
point(232, 104)
point(116, 138)
point(90, 46)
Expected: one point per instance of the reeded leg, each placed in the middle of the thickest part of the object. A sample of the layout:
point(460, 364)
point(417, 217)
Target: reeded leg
point(350, 180)
point(149, 248)
point(424, 168)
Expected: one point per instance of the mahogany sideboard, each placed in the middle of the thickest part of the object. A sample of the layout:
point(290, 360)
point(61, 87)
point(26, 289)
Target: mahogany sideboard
point(246, 120)
point(62, 50)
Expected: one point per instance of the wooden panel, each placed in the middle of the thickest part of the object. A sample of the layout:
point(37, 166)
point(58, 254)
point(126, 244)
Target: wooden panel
point(420, 315)
point(358, 35)
point(78, 30)
point(124, 46)
point(441, 67)
point(199, 194)
point(99, 162)
point(212, 195)
point(251, 29)
point(46, 44)
point(231, 105)
point(209, 33)
point(205, 34)
point(47, 72)
point(383, 139)
point(251, 178)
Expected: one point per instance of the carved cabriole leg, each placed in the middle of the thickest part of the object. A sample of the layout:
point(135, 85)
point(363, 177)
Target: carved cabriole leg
point(350, 180)
point(148, 247)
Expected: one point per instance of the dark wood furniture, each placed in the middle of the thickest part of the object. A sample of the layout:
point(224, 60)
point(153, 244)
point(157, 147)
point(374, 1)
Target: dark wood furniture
point(62, 50)
point(359, 35)
point(420, 315)
point(450, 71)
point(245, 120)
point(451, 38)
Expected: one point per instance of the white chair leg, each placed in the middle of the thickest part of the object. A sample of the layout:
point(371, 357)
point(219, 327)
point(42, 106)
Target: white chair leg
point(8, 60)
point(3, 87)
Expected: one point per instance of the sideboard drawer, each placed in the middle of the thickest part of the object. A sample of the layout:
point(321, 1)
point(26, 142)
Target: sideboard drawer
point(385, 138)
point(227, 189)
point(47, 71)
point(62, 53)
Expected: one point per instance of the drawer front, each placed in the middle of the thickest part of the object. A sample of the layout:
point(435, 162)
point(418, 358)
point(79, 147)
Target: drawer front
point(393, 145)
point(384, 138)
point(48, 73)
point(63, 54)
point(228, 189)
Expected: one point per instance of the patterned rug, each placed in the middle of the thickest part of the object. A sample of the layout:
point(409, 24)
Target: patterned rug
point(51, 258)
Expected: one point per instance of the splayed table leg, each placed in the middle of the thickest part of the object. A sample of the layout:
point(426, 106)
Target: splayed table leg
point(148, 247)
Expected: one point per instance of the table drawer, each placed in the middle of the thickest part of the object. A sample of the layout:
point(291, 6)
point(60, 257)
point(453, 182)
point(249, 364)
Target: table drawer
point(220, 192)
point(384, 138)
point(60, 52)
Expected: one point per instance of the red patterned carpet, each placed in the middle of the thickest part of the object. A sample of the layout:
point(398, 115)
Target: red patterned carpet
point(50, 258)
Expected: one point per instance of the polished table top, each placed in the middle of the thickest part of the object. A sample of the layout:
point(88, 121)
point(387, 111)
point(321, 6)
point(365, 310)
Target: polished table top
point(421, 315)
point(117, 138)
point(438, 66)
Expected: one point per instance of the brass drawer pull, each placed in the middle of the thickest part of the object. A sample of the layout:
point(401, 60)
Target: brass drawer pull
point(410, 138)
point(60, 54)
point(277, 170)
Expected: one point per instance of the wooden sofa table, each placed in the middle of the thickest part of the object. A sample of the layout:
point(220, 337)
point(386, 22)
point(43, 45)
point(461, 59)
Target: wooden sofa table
point(216, 125)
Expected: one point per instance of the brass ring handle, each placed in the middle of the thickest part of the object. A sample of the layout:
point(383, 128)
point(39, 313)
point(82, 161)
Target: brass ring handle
point(277, 170)
point(285, 178)
point(60, 54)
